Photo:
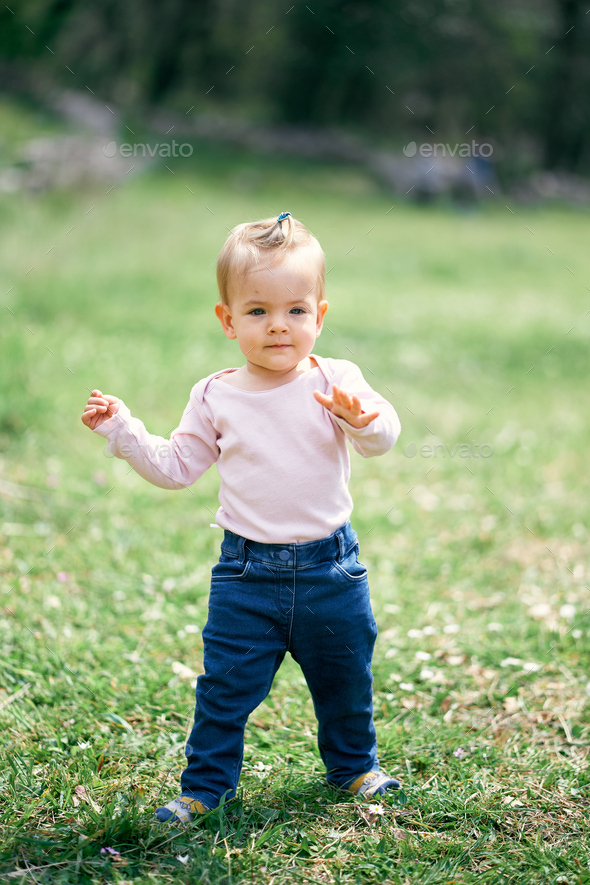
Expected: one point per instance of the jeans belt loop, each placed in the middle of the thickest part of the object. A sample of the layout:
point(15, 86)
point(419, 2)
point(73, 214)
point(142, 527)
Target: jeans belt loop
point(341, 544)
point(241, 549)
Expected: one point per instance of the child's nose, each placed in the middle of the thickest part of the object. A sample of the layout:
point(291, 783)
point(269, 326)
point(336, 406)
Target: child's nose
point(278, 323)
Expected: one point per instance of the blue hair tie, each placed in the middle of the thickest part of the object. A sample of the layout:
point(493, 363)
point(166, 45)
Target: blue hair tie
point(283, 215)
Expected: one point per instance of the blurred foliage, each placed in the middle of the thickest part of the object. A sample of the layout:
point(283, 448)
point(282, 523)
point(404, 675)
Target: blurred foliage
point(514, 72)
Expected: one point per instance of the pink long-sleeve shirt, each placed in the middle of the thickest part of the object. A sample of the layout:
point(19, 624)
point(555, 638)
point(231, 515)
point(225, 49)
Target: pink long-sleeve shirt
point(281, 456)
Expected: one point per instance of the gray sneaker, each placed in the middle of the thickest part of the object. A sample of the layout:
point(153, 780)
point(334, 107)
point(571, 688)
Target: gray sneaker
point(374, 783)
point(181, 810)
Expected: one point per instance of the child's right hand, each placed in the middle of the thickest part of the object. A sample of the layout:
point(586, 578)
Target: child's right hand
point(99, 409)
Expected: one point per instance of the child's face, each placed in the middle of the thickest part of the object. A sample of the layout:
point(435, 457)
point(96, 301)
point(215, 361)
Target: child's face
point(277, 305)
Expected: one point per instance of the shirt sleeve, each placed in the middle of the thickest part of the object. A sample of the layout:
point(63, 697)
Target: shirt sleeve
point(170, 464)
point(381, 434)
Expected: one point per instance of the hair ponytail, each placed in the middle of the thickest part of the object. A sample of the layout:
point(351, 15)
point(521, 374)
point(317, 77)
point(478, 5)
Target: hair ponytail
point(253, 244)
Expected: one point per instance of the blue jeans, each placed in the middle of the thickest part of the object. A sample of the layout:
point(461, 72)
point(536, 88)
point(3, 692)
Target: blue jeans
point(312, 600)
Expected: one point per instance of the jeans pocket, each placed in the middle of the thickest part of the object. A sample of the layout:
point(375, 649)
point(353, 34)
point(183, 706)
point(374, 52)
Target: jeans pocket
point(351, 566)
point(228, 569)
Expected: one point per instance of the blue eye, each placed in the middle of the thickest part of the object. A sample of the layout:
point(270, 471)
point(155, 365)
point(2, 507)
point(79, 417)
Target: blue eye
point(300, 309)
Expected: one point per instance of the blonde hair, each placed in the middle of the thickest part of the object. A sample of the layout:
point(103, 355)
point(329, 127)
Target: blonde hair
point(254, 243)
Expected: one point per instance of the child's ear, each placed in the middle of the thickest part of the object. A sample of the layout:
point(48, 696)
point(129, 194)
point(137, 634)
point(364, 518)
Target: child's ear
point(322, 308)
point(223, 313)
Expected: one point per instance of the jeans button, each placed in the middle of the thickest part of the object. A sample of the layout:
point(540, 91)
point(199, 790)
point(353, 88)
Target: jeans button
point(284, 555)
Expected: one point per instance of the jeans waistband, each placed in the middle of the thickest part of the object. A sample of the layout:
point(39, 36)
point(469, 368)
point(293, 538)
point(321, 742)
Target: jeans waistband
point(335, 546)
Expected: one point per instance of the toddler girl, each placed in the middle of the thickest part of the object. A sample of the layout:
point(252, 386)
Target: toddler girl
point(288, 577)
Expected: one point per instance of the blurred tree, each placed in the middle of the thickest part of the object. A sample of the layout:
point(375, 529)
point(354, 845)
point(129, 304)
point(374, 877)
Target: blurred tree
point(517, 71)
point(565, 92)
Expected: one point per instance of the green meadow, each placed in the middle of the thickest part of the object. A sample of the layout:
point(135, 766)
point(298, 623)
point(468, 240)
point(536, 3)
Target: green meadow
point(474, 323)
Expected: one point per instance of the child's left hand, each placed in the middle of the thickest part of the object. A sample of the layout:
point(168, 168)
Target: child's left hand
point(343, 405)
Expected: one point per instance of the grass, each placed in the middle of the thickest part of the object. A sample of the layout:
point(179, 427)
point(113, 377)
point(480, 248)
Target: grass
point(478, 566)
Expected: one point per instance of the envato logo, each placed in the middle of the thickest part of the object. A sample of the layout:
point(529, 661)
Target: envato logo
point(466, 450)
point(466, 149)
point(163, 450)
point(147, 150)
